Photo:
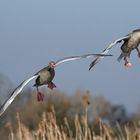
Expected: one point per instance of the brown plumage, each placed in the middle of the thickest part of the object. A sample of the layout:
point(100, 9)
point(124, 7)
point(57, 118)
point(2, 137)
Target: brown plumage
point(131, 42)
point(45, 77)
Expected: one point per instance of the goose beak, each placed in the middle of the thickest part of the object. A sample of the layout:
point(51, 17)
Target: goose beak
point(52, 65)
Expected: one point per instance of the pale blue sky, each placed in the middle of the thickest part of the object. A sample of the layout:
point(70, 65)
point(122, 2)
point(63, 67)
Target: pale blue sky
point(33, 32)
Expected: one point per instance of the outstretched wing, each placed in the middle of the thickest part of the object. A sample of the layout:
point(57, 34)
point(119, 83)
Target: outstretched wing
point(105, 51)
point(14, 94)
point(72, 58)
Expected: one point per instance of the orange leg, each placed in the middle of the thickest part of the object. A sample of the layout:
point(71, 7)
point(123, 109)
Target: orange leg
point(127, 63)
point(40, 96)
point(51, 85)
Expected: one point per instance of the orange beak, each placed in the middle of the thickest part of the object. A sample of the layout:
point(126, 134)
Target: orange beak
point(53, 65)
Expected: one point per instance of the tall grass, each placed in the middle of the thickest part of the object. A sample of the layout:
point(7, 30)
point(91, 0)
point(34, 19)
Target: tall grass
point(62, 117)
point(48, 129)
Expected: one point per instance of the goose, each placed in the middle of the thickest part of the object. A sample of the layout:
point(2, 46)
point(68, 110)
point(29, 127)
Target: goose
point(43, 77)
point(130, 42)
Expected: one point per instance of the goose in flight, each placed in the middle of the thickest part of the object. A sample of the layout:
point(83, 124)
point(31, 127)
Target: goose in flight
point(43, 77)
point(130, 42)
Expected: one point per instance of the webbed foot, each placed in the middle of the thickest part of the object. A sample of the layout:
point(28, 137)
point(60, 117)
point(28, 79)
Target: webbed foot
point(51, 85)
point(128, 64)
point(40, 96)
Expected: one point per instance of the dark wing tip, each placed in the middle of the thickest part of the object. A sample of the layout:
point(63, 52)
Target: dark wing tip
point(2, 108)
point(1, 111)
point(90, 68)
point(92, 64)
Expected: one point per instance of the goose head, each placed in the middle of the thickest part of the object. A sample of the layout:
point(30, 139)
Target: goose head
point(52, 64)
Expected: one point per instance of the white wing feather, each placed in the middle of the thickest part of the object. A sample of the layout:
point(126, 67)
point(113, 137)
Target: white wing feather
point(15, 93)
point(105, 51)
point(72, 58)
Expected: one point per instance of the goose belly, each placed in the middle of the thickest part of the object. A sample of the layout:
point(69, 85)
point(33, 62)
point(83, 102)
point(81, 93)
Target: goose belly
point(45, 77)
point(127, 47)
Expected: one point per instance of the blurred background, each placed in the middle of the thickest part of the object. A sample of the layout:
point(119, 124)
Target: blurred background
point(34, 32)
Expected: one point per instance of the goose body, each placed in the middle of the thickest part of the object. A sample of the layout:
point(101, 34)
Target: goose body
point(43, 77)
point(130, 42)
point(46, 75)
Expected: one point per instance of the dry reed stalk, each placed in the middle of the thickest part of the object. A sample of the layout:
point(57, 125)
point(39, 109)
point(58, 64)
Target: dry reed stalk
point(48, 129)
point(107, 132)
point(9, 126)
point(89, 134)
point(78, 133)
point(63, 134)
point(19, 126)
point(98, 138)
point(128, 135)
point(22, 132)
point(26, 134)
point(120, 131)
point(86, 103)
point(53, 113)
point(69, 132)
point(100, 127)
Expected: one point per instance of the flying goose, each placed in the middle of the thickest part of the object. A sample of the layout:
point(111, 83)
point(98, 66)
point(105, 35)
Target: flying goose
point(43, 77)
point(130, 42)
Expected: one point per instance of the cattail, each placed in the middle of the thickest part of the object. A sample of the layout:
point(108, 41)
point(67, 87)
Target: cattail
point(85, 100)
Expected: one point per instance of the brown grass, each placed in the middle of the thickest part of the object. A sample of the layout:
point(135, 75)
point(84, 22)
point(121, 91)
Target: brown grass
point(48, 129)
point(63, 117)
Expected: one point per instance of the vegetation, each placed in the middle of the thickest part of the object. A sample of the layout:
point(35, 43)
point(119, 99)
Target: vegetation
point(62, 117)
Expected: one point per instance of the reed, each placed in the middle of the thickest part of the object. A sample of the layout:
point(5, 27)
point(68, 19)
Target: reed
point(48, 129)
point(62, 117)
